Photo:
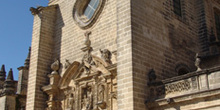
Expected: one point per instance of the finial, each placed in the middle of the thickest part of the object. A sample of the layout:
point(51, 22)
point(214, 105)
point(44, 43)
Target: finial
point(10, 76)
point(55, 67)
point(9, 84)
point(27, 60)
point(67, 64)
point(2, 73)
point(197, 62)
point(87, 40)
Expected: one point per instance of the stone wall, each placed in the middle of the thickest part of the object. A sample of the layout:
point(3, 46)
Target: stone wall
point(142, 34)
point(69, 38)
point(2, 102)
point(124, 56)
point(63, 41)
point(7, 102)
point(161, 40)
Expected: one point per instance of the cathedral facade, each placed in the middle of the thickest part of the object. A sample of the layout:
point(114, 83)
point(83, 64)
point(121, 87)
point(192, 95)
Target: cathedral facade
point(125, 55)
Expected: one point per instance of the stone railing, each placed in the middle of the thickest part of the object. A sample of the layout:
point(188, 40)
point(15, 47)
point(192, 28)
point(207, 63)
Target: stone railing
point(191, 83)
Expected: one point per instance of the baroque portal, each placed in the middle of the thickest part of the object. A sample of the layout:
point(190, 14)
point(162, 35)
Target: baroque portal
point(87, 85)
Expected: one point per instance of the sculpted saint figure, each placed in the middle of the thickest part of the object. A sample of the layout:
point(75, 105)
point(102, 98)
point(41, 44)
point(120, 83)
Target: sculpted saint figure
point(87, 101)
point(106, 55)
point(101, 93)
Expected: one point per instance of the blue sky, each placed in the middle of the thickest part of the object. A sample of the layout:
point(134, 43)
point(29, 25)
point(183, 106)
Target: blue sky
point(16, 24)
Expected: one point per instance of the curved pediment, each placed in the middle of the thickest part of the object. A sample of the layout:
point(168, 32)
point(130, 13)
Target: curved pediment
point(99, 61)
point(76, 71)
point(85, 85)
point(69, 73)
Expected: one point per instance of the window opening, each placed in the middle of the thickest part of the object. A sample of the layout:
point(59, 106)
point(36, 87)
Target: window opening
point(90, 9)
point(177, 7)
point(217, 24)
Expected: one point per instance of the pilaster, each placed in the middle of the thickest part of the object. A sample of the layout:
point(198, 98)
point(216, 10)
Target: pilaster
point(41, 55)
point(124, 56)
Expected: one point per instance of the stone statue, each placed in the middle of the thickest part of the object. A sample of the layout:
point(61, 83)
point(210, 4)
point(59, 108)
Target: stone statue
point(197, 62)
point(106, 55)
point(101, 93)
point(87, 100)
point(87, 40)
point(87, 58)
point(87, 61)
point(152, 76)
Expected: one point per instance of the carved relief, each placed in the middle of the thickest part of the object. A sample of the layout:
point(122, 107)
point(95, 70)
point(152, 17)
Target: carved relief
point(89, 85)
point(177, 87)
point(87, 59)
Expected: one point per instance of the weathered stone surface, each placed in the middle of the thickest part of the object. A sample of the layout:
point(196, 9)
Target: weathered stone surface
point(127, 40)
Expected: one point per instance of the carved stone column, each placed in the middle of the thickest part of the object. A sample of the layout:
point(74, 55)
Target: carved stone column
point(77, 96)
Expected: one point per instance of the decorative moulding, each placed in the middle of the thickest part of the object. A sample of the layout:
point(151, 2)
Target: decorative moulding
point(79, 17)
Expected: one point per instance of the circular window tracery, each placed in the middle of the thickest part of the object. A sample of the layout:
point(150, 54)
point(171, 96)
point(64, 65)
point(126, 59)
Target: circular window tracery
point(86, 12)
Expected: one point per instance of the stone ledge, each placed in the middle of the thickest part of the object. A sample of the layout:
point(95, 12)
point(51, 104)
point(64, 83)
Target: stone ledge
point(187, 98)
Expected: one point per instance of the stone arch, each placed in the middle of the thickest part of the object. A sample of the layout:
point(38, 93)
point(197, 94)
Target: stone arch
point(71, 71)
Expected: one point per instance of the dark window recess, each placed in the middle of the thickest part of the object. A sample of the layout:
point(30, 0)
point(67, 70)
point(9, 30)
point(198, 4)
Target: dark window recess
point(183, 71)
point(177, 7)
point(217, 24)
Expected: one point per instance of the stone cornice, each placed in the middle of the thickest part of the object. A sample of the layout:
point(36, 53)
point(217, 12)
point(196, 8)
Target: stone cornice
point(184, 98)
